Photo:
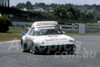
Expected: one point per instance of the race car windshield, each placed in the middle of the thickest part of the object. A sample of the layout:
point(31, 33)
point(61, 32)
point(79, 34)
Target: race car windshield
point(50, 31)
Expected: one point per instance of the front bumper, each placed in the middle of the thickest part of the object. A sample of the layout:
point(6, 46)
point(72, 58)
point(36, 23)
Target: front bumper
point(67, 47)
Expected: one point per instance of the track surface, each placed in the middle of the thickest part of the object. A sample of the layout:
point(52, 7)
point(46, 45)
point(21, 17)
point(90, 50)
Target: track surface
point(88, 55)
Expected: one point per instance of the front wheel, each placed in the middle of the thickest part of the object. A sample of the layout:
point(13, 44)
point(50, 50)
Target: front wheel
point(33, 49)
point(72, 51)
point(24, 47)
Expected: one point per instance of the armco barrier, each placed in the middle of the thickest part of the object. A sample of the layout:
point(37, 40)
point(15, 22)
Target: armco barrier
point(66, 28)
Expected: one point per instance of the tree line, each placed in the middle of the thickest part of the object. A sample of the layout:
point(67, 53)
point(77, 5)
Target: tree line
point(65, 11)
point(73, 14)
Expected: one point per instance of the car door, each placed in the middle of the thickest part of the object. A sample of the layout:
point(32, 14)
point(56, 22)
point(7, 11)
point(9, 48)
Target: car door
point(28, 37)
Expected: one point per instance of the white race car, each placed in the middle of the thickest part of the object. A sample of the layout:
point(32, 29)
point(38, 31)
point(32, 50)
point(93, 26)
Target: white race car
point(46, 36)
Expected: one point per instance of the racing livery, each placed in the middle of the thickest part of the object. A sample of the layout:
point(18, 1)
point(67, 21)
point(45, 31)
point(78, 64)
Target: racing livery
point(46, 36)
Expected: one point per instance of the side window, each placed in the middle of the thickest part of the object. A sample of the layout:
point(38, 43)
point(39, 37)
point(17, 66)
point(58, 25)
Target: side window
point(32, 33)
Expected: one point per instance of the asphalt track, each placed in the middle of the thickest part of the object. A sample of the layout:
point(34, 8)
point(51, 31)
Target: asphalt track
point(87, 55)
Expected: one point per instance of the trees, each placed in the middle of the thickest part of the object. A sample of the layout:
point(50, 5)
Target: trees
point(42, 5)
point(26, 5)
point(60, 12)
point(29, 5)
point(20, 5)
point(4, 23)
point(75, 13)
point(70, 13)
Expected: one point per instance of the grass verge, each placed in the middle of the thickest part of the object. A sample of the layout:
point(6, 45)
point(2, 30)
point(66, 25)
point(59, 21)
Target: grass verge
point(9, 36)
point(12, 34)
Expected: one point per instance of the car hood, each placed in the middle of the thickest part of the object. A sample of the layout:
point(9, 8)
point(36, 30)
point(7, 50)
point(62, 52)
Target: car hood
point(54, 39)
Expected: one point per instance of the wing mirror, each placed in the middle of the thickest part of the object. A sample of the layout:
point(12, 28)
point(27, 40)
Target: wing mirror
point(24, 32)
point(63, 32)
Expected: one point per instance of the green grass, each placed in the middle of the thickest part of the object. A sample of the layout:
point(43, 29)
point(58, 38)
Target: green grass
point(15, 30)
point(9, 36)
point(91, 24)
point(12, 34)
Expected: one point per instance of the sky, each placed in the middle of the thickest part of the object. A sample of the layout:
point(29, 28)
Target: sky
point(76, 2)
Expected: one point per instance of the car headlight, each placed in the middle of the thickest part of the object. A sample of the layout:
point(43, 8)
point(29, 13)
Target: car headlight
point(42, 42)
point(71, 41)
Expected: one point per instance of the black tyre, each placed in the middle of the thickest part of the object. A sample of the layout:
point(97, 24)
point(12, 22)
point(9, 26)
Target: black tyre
point(33, 49)
point(24, 47)
point(72, 51)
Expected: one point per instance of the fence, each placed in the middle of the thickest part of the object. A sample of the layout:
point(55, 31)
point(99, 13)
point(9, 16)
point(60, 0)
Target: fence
point(74, 28)
point(20, 25)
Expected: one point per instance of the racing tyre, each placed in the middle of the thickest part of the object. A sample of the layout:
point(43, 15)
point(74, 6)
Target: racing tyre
point(72, 51)
point(33, 49)
point(24, 47)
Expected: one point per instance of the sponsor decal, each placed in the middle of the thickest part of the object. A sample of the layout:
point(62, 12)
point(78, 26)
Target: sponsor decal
point(46, 23)
point(52, 35)
point(56, 39)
